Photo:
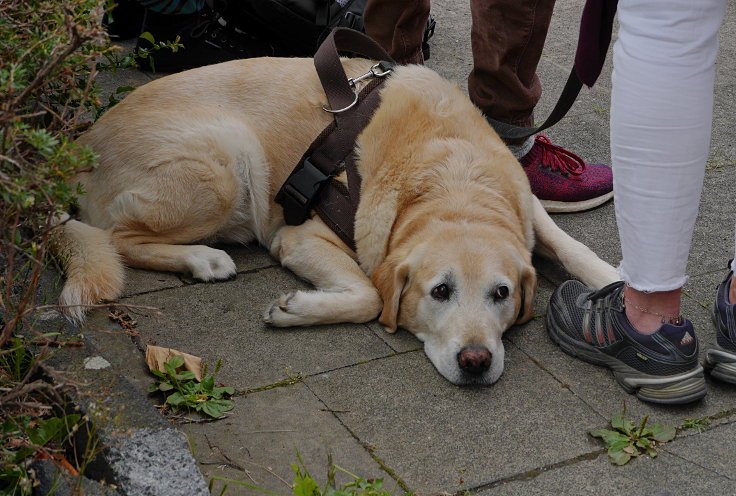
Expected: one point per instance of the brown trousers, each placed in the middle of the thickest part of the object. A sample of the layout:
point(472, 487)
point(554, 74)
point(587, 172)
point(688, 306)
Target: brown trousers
point(507, 39)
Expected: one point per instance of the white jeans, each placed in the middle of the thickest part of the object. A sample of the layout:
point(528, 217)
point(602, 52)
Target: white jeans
point(662, 106)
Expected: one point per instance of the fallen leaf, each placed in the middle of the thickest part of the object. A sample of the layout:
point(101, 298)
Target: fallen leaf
point(156, 356)
point(60, 460)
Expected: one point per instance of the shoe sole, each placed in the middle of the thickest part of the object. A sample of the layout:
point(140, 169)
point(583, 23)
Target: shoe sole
point(720, 362)
point(559, 207)
point(669, 390)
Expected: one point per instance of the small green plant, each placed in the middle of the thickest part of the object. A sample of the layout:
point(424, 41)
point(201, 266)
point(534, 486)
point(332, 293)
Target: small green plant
point(16, 361)
point(145, 53)
point(699, 424)
point(305, 485)
point(182, 391)
point(628, 441)
point(24, 437)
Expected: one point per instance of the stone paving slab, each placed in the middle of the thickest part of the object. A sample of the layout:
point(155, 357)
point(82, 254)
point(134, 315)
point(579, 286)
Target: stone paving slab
point(268, 430)
point(450, 45)
point(712, 450)
point(139, 281)
point(713, 239)
point(438, 437)
point(642, 477)
point(250, 257)
point(224, 321)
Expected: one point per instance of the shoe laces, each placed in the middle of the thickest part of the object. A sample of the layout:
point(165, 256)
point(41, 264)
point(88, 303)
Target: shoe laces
point(605, 291)
point(556, 158)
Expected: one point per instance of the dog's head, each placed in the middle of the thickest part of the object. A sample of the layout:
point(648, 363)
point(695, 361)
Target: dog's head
point(458, 290)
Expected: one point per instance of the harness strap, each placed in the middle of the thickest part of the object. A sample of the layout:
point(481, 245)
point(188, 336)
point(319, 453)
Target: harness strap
point(311, 185)
point(338, 204)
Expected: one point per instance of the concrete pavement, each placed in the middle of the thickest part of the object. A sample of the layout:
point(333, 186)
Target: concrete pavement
point(374, 401)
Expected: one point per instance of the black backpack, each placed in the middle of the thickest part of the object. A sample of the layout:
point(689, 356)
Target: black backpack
point(296, 28)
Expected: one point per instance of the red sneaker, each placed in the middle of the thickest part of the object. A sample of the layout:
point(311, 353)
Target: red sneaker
point(562, 181)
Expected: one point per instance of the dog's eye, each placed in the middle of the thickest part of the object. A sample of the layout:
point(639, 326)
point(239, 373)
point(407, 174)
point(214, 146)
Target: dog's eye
point(441, 292)
point(502, 292)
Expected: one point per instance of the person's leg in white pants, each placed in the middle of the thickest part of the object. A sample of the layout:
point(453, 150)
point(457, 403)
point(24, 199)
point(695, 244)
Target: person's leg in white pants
point(660, 133)
point(663, 78)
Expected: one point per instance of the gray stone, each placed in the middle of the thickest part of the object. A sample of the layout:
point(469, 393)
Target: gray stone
point(712, 449)
point(154, 462)
point(49, 479)
point(139, 281)
point(96, 363)
point(249, 257)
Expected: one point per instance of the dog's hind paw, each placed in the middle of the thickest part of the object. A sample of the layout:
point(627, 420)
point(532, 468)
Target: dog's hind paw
point(210, 264)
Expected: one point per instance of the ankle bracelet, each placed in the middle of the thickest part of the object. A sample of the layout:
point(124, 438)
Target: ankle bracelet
point(671, 319)
point(665, 319)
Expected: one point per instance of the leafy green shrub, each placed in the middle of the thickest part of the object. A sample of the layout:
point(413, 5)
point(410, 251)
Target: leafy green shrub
point(50, 52)
point(28, 437)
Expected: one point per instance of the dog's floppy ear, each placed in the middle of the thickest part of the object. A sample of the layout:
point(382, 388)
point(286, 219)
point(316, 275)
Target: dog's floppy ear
point(528, 289)
point(390, 279)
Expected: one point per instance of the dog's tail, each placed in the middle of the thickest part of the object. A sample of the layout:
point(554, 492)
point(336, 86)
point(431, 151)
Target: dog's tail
point(94, 269)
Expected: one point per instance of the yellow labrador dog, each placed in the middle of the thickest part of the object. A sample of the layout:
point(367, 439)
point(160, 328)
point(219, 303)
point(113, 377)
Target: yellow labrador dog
point(444, 230)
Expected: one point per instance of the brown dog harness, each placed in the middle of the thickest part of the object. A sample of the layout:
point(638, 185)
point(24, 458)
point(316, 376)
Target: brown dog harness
point(312, 185)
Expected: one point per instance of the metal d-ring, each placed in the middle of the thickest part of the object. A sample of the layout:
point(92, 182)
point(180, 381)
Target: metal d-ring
point(342, 109)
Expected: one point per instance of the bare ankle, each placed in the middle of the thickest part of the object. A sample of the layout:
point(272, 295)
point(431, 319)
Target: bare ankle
point(648, 311)
point(732, 290)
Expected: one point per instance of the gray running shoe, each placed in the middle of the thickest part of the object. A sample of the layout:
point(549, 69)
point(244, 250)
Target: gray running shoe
point(591, 325)
point(721, 358)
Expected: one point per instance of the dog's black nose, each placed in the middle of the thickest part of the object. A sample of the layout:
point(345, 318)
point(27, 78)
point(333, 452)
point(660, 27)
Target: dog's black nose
point(474, 360)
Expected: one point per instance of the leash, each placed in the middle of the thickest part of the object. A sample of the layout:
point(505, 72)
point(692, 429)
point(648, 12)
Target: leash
point(312, 184)
point(596, 26)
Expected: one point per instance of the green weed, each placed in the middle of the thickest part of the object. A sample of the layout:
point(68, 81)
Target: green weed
point(627, 441)
point(182, 391)
point(698, 424)
point(305, 485)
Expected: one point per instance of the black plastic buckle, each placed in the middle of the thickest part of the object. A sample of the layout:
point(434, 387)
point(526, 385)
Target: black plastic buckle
point(299, 193)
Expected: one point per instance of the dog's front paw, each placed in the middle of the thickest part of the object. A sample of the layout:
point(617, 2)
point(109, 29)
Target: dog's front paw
point(279, 315)
point(302, 308)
